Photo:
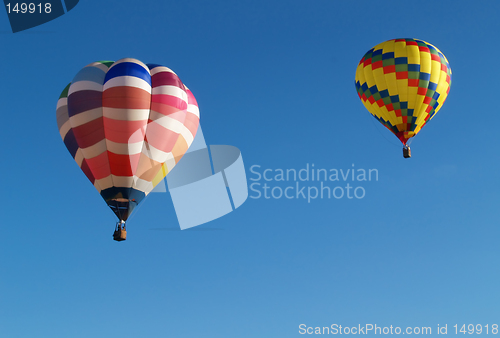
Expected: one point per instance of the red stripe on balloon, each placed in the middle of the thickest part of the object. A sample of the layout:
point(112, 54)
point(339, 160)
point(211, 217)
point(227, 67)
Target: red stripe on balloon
point(126, 98)
point(163, 109)
point(89, 133)
point(124, 131)
point(170, 100)
point(99, 166)
point(123, 165)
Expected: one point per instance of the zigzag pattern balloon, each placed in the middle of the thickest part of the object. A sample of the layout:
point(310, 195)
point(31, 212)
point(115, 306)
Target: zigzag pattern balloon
point(403, 83)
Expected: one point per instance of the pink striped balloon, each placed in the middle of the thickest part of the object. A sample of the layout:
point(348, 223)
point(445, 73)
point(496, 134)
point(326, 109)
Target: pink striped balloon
point(127, 125)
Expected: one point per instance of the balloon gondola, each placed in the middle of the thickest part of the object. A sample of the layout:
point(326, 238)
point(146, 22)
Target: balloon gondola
point(120, 233)
point(126, 124)
point(403, 83)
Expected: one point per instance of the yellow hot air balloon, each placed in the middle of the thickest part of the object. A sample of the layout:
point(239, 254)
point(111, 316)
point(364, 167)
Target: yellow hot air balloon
point(403, 83)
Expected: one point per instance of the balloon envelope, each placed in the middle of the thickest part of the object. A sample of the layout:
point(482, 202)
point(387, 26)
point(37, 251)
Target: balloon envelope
point(127, 125)
point(403, 83)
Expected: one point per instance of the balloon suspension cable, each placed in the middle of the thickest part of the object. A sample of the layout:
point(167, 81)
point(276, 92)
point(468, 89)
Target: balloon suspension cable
point(137, 207)
point(118, 209)
point(383, 135)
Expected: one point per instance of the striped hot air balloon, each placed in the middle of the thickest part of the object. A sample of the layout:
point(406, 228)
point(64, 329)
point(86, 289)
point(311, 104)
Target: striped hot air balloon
point(403, 83)
point(127, 125)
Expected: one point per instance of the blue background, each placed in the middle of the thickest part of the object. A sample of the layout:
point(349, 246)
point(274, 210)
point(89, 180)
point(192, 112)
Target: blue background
point(275, 79)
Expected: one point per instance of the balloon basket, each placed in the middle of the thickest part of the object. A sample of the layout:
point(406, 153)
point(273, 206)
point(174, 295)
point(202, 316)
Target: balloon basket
point(120, 233)
point(406, 152)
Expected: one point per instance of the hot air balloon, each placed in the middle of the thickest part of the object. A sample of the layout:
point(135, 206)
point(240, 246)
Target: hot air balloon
point(403, 83)
point(126, 124)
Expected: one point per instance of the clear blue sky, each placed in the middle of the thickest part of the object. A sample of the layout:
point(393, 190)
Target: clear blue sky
point(275, 79)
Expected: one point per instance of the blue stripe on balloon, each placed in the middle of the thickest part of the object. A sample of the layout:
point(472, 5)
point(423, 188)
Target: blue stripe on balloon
point(384, 93)
point(128, 69)
point(389, 55)
point(401, 61)
point(425, 76)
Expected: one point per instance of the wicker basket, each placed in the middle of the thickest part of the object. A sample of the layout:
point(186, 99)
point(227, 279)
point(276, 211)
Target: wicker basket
point(406, 152)
point(120, 235)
